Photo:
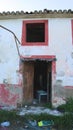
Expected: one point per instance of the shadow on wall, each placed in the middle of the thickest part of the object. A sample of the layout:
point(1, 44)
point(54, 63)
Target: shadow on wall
point(59, 89)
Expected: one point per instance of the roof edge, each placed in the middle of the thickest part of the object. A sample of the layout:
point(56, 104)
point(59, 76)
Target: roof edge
point(36, 14)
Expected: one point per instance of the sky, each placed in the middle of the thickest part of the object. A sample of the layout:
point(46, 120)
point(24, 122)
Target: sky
point(31, 5)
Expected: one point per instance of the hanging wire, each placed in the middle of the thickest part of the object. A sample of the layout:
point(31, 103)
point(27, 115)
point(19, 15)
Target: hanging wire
point(15, 37)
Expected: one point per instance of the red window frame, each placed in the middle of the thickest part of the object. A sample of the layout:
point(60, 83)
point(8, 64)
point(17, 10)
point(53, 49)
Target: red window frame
point(72, 30)
point(24, 43)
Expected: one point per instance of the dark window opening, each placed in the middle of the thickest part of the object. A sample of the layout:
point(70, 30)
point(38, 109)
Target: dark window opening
point(35, 32)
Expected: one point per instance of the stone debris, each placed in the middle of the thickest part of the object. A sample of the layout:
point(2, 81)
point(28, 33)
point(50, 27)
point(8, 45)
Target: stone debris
point(8, 108)
point(38, 110)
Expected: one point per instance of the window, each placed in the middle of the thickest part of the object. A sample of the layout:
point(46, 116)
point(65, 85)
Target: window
point(35, 32)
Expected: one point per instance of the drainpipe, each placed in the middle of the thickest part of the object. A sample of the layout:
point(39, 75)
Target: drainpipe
point(15, 37)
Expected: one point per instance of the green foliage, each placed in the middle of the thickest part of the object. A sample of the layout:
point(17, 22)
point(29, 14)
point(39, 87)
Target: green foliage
point(47, 105)
point(64, 122)
point(40, 117)
point(60, 122)
point(68, 107)
point(8, 115)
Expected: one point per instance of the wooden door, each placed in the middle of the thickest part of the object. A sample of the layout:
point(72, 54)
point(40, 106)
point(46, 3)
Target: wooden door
point(28, 75)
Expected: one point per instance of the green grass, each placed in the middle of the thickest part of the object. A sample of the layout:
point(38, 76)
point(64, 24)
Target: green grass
point(7, 115)
point(68, 107)
point(61, 122)
point(64, 122)
point(48, 105)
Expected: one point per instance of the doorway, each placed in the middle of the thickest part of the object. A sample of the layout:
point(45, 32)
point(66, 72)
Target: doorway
point(37, 75)
point(42, 79)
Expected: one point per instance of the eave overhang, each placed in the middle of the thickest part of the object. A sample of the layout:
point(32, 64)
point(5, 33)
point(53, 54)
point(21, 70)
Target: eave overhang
point(37, 14)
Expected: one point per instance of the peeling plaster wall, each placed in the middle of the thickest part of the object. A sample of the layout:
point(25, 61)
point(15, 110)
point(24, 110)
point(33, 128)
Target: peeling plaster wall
point(10, 84)
point(59, 44)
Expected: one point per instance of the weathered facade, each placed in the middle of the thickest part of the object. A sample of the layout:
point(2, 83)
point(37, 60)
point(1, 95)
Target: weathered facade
point(36, 53)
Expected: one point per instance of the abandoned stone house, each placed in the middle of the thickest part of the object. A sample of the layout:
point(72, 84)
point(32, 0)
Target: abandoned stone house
point(36, 57)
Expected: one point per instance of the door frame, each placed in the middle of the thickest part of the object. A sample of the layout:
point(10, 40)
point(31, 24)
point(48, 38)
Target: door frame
point(47, 58)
